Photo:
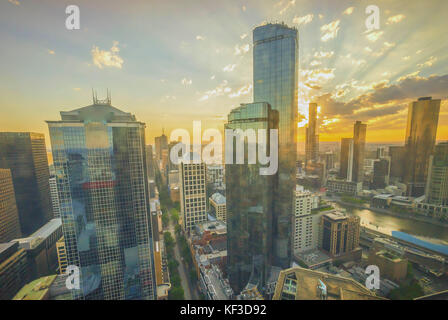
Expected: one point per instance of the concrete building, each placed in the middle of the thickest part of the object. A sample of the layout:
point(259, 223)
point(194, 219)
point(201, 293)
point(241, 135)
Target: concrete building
point(391, 265)
point(344, 186)
point(218, 206)
point(193, 194)
point(381, 170)
point(306, 221)
point(41, 249)
point(303, 284)
point(9, 216)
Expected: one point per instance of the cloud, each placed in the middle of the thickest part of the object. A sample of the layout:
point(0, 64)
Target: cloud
point(199, 37)
point(349, 11)
point(315, 63)
point(316, 78)
point(103, 58)
point(374, 36)
point(212, 77)
point(288, 5)
point(330, 31)
point(395, 19)
point(406, 58)
point(427, 63)
point(186, 82)
point(322, 54)
point(77, 89)
point(220, 90)
point(303, 20)
point(243, 36)
point(14, 2)
point(243, 8)
point(50, 51)
point(241, 91)
point(229, 68)
point(385, 98)
point(241, 49)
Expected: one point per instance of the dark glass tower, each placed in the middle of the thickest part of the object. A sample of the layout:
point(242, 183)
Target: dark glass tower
point(25, 154)
point(249, 204)
point(276, 82)
point(312, 138)
point(421, 131)
point(100, 164)
point(359, 147)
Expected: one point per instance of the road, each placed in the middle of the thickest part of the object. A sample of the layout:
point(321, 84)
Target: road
point(183, 273)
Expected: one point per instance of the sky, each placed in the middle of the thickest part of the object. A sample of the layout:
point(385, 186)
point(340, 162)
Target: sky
point(172, 62)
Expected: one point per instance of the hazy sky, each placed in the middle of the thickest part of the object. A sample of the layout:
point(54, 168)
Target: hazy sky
point(172, 62)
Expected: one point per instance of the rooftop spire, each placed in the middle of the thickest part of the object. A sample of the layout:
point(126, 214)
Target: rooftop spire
point(106, 102)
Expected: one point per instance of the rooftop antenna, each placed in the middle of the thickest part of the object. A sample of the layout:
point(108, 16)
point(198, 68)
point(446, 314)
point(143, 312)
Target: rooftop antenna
point(105, 102)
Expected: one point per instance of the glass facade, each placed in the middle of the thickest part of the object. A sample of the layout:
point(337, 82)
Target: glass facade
point(276, 82)
point(249, 200)
point(100, 165)
point(24, 153)
point(421, 131)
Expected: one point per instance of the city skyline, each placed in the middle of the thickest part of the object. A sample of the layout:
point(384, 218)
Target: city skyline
point(352, 75)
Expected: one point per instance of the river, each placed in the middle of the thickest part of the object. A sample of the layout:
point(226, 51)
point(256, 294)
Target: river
point(387, 223)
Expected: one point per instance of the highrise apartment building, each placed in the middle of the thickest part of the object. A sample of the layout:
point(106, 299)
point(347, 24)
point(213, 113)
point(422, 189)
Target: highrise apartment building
point(100, 164)
point(421, 132)
point(437, 185)
point(193, 194)
point(9, 216)
point(346, 159)
point(25, 154)
point(306, 221)
point(275, 77)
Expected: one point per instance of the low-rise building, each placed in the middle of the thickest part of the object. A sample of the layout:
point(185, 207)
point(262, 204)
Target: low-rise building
point(303, 284)
point(218, 206)
point(45, 288)
point(391, 265)
point(344, 186)
point(14, 271)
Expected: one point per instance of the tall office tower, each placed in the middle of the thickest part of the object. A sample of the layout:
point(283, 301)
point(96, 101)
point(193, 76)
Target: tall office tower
point(437, 186)
point(25, 154)
point(54, 197)
point(193, 194)
point(346, 159)
point(340, 233)
point(381, 170)
point(9, 216)
point(312, 138)
point(421, 131)
point(329, 158)
point(249, 199)
point(306, 221)
point(100, 163)
point(380, 152)
point(161, 143)
point(359, 146)
point(276, 57)
point(397, 158)
point(150, 161)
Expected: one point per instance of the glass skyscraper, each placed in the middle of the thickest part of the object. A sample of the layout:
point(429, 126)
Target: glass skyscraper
point(24, 153)
point(100, 165)
point(421, 132)
point(276, 82)
point(249, 200)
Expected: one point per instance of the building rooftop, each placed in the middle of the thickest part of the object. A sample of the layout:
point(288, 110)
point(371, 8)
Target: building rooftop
point(46, 288)
point(304, 284)
point(218, 198)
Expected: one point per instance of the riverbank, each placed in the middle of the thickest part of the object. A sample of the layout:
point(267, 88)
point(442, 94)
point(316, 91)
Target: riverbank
point(392, 213)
